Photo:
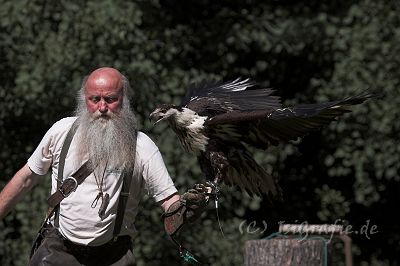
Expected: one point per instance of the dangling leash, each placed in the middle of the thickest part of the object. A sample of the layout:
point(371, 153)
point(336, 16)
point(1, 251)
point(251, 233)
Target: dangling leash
point(214, 194)
point(185, 254)
point(170, 220)
point(177, 216)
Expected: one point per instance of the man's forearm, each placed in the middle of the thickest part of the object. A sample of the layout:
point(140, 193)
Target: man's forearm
point(13, 192)
point(166, 203)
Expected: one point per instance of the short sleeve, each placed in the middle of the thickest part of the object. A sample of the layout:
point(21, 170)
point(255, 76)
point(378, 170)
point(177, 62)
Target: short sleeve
point(41, 159)
point(155, 174)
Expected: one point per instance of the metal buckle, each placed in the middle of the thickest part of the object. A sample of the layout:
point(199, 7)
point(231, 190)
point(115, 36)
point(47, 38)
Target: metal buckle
point(65, 191)
point(125, 194)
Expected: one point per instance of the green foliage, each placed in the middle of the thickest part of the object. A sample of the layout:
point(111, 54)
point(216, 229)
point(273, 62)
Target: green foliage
point(314, 51)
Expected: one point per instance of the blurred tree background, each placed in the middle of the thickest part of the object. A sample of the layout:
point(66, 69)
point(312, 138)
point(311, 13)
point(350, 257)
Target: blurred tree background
point(308, 51)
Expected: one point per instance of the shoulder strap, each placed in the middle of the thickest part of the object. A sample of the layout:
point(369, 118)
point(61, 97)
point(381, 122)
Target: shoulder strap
point(123, 196)
point(61, 163)
point(64, 151)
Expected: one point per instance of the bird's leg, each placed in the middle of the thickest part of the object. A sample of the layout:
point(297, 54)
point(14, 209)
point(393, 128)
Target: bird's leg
point(219, 165)
point(213, 163)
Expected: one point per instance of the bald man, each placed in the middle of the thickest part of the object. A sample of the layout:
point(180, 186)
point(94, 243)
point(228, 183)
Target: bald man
point(107, 142)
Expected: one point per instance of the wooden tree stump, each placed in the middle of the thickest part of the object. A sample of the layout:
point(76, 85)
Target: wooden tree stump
point(286, 251)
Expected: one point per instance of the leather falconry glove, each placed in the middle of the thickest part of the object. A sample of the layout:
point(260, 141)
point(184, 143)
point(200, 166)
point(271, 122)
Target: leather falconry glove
point(187, 209)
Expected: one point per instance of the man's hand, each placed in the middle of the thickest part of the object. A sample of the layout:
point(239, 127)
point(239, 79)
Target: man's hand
point(195, 200)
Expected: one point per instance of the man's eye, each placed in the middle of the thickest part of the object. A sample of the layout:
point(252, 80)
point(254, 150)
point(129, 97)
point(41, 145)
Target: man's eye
point(110, 99)
point(95, 99)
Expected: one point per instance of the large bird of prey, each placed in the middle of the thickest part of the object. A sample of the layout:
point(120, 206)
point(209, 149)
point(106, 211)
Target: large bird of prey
point(215, 120)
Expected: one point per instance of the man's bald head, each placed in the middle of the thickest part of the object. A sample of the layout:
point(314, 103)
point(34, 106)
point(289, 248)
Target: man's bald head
point(104, 78)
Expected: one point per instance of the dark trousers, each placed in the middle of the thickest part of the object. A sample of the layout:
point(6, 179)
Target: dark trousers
point(56, 250)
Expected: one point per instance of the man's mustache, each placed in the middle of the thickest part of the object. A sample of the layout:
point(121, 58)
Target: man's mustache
point(98, 115)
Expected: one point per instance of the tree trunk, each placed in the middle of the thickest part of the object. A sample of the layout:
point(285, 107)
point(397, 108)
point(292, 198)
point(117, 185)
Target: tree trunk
point(286, 251)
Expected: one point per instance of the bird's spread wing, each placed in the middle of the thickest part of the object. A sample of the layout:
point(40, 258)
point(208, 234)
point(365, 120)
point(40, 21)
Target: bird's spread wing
point(263, 128)
point(222, 116)
point(210, 99)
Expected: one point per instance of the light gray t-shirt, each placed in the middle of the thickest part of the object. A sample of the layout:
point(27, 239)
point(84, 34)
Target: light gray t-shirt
point(78, 221)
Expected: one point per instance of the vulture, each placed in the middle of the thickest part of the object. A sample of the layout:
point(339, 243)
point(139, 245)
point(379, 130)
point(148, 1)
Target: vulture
point(217, 121)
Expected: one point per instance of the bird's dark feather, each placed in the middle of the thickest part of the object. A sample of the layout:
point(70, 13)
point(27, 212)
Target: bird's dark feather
point(213, 99)
point(246, 173)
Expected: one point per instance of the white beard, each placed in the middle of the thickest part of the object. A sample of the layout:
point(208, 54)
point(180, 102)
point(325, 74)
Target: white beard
point(108, 140)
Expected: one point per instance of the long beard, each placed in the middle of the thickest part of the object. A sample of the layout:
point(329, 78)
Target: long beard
point(107, 140)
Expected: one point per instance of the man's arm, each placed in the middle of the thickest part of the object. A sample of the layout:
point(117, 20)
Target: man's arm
point(179, 210)
point(23, 181)
point(166, 203)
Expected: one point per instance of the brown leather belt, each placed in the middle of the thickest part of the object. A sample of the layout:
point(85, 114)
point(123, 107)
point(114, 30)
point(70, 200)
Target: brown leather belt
point(69, 185)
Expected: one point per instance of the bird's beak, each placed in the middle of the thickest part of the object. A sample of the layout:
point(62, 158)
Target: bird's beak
point(155, 116)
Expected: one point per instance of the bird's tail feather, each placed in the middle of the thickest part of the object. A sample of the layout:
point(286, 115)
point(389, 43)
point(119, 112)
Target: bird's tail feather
point(245, 172)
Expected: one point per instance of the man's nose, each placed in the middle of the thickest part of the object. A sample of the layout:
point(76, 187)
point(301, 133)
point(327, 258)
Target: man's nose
point(103, 108)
